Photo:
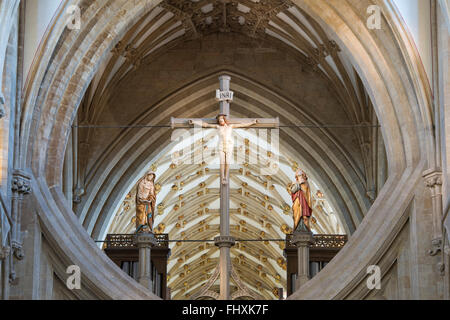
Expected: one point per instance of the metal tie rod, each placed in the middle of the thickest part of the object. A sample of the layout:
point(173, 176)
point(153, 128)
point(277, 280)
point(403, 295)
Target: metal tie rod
point(310, 126)
point(179, 240)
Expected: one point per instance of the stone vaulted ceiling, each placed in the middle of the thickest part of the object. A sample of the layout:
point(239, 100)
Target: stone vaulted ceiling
point(176, 21)
point(187, 199)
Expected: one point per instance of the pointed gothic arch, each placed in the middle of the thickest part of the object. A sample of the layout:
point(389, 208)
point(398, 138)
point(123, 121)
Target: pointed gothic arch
point(387, 63)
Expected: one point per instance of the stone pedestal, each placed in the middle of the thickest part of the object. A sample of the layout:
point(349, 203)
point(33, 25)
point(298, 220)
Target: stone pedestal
point(144, 242)
point(224, 243)
point(303, 241)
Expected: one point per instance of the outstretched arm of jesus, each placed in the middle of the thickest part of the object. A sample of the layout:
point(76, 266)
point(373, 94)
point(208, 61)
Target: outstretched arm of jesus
point(202, 124)
point(244, 125)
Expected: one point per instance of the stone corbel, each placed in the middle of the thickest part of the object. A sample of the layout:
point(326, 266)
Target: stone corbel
point(133, 56)
point(333, 47)
point(118, 49)
point(371, 195)
point(77, 194)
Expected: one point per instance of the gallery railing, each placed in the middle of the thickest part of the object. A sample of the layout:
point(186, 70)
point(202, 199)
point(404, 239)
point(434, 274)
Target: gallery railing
point(323, 241)
point(125, 241)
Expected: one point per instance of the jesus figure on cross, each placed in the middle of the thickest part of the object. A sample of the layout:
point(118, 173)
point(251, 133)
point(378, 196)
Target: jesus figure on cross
point(226, 141)
point(225, 126)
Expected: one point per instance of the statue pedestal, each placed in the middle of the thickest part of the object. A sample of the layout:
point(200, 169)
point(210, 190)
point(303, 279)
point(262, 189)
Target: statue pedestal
point(144, 242)
point(303, 241)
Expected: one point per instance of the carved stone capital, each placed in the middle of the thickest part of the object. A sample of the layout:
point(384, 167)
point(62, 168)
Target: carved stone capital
point(433, 179)
point(224, 241)
point(302, 238)
point(21, 182)
point(18, 250)
point(77, 194)
point(436, 247)
point(144, 240)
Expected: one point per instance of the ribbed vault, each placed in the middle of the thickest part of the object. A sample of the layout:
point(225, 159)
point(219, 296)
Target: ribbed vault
point(277, 21)
point(342, 161)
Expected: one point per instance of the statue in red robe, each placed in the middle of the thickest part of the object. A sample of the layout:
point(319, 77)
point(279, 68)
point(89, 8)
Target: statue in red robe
point(301, 198)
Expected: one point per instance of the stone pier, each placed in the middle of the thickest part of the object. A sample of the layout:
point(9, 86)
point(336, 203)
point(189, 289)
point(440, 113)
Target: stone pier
point(144, 242)
point(224, 243)
point(303, 241)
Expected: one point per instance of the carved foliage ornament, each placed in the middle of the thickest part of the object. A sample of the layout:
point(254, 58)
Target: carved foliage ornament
point(432, 181)
point(21, 183)
point(225, 16)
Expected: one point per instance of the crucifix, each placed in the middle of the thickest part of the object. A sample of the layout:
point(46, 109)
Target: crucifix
point(225, 125)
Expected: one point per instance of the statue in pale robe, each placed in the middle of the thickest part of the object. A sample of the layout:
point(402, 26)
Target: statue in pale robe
point(145, 203)
point(302, 205)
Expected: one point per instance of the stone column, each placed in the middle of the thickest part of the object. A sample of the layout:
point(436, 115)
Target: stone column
point(433, 180)
point(8, 10)
point(303, 241)
point(68, 172)
point(224, 243)
point(144, 242)
point(4, 272)
point(21, 185)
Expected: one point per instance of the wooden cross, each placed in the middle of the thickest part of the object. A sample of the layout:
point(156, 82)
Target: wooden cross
point(224, 124)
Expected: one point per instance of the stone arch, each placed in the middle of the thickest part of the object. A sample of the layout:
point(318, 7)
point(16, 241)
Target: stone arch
point(387, 63)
